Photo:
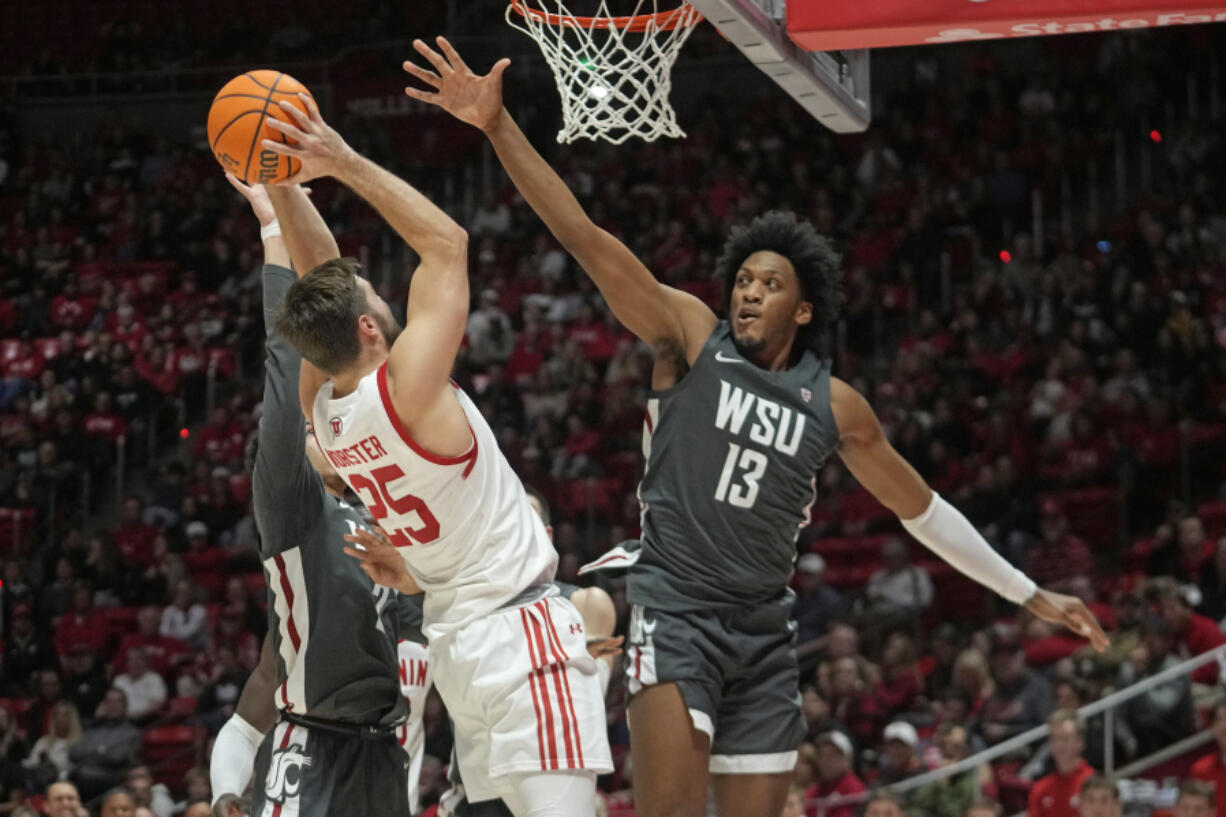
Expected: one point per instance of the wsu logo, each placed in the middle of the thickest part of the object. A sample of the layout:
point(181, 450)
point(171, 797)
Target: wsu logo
point(285, 773)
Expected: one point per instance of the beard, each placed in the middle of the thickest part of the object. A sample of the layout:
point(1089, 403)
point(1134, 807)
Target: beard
point(749, 348)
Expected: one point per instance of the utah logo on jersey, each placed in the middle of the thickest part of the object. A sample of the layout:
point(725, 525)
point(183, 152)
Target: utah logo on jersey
point(285, 771)
point(336, 426)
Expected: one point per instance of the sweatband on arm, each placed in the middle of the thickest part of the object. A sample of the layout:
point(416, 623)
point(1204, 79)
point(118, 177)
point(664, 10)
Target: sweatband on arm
point(270, 230)
point(233, 760)
point(946, 532)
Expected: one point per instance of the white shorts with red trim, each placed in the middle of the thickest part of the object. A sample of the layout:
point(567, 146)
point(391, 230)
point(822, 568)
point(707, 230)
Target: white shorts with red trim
point(524, 695)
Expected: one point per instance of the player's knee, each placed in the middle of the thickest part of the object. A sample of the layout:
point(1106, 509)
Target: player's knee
point(595, 606)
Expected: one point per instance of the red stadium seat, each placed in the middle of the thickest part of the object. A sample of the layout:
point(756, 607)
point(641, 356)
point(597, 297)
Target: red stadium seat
point(48, 347)
point(170, 751)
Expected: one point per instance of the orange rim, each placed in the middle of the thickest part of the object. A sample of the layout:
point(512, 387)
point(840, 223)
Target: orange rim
point(661, 20)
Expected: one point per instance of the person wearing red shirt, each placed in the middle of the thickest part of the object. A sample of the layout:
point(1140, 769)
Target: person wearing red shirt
point(1194, 633)
point(205, 563)
point(1059, 555)
point(80, 625)
point(835, 777)
point(1212, 767)
point(220, 440)
point(163, 652)
point(1058, 794)
point(103, 421)
point(133, 538)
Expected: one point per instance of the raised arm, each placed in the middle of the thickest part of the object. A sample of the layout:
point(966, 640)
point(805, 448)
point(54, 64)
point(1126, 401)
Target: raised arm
point(666, 318)
point(283, 477)
point(310, 243)
point(939, 526)
point(423, 355)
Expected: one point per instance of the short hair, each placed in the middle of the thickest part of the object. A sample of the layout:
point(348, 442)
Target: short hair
point(1100, 783)
point(1197, 788)
point(817, 265)
point(883, 796)
point(540, 499)
point(320, 313)
point(1067, 716)
point(116, 792)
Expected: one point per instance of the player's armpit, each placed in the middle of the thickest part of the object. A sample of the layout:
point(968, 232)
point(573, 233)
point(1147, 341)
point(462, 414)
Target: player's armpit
point(309, 381)
point(871, 458)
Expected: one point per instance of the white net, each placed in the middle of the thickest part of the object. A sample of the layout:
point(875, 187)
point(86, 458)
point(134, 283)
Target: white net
point(613, 73)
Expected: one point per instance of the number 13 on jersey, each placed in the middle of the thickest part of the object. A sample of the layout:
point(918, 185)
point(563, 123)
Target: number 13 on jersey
point(738, 484)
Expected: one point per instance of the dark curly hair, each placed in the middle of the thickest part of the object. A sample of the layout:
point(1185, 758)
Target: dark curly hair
point(816, 263)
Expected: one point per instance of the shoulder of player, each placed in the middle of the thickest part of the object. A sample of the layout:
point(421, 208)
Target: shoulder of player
point(695, 322)
point(852, 413)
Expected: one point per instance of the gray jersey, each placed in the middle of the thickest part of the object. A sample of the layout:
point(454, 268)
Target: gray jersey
point(334, 630)
point(732, 453)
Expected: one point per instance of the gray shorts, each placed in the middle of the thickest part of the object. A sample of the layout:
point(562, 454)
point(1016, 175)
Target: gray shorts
point(314, 772)
point(736, 669)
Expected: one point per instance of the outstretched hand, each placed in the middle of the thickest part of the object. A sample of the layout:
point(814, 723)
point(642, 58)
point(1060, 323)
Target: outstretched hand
point(319, 148)
point(475, 99)
point(257, 197)
point(381, 561)
point(605, 645)
point(231, 805)
point(1070, 612)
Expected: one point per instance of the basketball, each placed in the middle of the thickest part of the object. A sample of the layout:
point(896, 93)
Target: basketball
point(238, 121)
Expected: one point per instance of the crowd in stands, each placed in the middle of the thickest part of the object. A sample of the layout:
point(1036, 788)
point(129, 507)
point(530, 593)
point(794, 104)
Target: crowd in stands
point(1068, 393)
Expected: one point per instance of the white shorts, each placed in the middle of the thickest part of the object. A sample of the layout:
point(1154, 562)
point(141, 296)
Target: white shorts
point(415, 680)
point(523, 693)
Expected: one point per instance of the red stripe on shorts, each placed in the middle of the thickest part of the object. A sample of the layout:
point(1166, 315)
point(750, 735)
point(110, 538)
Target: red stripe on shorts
point(558, 671)
point(540, 650)
point(540, 737)
point(570, 700)
point(289, 730)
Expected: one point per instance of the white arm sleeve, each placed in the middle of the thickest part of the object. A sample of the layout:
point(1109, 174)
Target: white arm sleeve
point(946, 532)
point(233, 760)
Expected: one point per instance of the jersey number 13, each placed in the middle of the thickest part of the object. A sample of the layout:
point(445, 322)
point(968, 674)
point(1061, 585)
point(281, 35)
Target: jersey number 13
point(738, 484)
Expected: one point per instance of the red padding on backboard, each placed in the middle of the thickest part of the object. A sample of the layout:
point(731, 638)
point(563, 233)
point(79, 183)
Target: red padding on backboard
point(831, 25)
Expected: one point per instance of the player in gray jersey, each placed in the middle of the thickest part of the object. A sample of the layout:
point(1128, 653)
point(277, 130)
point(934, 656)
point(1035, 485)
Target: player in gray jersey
point(332, 642)
point(742, 415)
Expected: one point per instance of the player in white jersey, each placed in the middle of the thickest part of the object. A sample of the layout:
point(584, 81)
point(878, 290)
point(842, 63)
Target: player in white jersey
point(508, 653)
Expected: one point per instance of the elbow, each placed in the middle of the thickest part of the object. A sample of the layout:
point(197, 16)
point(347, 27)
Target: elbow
point(453, 241)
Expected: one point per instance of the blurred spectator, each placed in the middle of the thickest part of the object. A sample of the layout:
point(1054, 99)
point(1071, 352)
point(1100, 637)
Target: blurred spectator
point(185, 619)
point(817, 604)
point(1100, 797)
point(899, 760)
point(117, 803)
point(1058, 555)
point(163, 653)
point(50, 691)
point(1056, 794)
point(49, 760)
point(196, 782)
point(834, 758)
point(952, 796)
point(134, 537)
point(900, 686)
point(204, 561)
point(107, 749)
point(1195, 800)
point(1213, 584)
point(197, 808)
point(1022, 698)
point(224, 683)
point(25, 650)
point(850, 690)
point(491, 338)
point(144, 689)
point(817, 714)
point(1163, 714)
point(82, 625)
point(884, 804)
point(1194, 634)
point(64, 801)
point(84, 678)
point(492, 217)
point(794, 806)
point(1211, 768)
point(986, 809)
point(147, 794)
point(899, 592)
point(1184, 557)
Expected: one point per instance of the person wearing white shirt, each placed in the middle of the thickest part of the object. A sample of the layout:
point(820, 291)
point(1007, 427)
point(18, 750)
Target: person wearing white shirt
point(185, 619)
point(146, 690)
point(899, 586)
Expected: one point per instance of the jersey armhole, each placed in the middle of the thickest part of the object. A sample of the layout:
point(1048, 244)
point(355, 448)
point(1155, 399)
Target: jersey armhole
point(468, 458)
point(711, 343)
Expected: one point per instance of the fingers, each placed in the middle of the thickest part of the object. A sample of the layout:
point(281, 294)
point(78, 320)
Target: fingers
point(424, 96)
point(428, 77)
point(304, 121)
point(434, 57)
point(500, 67)
point(312, 109)
point(450, 53)
point(283, 148)
point(237, 185)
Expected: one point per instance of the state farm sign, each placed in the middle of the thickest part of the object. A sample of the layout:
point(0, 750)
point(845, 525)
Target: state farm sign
point(830, 25)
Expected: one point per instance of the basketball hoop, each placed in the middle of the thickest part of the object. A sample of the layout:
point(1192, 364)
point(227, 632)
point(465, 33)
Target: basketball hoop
point(613, 73)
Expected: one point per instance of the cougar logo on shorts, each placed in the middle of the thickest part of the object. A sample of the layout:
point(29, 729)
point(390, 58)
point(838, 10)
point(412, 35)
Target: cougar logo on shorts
point(640, 628)
point(285, 773)
point(336, 426)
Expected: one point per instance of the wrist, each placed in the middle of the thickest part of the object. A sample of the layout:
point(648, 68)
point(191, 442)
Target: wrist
point(491, 127)
point(270, 230)
point(346, 163)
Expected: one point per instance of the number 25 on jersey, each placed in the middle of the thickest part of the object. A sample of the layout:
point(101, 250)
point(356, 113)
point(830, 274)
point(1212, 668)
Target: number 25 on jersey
point(378, 499)
point(738, 483)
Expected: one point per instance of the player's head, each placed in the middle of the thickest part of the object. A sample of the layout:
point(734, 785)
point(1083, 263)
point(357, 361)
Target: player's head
point(783, 284)
point(335, 319)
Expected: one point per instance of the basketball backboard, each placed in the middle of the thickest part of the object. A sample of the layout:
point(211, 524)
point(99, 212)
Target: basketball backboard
point(833, 86)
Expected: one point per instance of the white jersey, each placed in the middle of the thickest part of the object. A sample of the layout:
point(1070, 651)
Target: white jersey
point(463, 524)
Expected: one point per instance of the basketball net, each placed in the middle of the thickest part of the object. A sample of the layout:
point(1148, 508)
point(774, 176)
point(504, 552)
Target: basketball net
point(613, 73)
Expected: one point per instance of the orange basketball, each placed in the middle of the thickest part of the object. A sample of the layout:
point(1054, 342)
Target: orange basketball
point(238, 121)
